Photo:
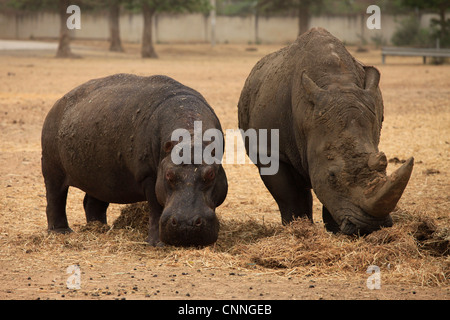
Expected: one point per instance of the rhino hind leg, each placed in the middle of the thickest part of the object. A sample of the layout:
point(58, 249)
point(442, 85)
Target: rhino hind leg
point(294, 200)
point(95, 209)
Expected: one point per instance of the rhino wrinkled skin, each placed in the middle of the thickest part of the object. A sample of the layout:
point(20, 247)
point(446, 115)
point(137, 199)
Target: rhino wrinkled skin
point(328, 109)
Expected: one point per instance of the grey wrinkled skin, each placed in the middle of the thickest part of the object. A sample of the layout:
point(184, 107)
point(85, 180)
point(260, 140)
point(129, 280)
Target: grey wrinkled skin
point(328, 109)
point(111, 138)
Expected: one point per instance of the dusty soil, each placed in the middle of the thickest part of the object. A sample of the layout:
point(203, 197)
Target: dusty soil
point(255, 257)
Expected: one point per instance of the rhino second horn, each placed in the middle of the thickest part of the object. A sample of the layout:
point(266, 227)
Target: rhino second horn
point(383, 202)
point(377, 161)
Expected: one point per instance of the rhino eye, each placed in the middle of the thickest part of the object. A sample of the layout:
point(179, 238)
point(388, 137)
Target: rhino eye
point(332, 175)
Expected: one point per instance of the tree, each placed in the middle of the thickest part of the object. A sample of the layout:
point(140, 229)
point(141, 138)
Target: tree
point(437, 6)
point(112, 7)
point(240, 8)
point(303, 9)
point(235, 7)
point(151, 7)
point(64, 50)
point(59, 6)
point(114, 26)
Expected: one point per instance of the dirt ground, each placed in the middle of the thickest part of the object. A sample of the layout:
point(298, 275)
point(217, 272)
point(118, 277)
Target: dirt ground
point(116, 264)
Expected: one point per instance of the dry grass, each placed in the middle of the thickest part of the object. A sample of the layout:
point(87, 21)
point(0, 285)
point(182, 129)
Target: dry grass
point(409, 251)
point(415, 250)
point(252, 241)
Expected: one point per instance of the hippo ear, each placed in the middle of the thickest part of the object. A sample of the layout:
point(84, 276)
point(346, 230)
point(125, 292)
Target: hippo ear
point(311, 88)
point(372, 78)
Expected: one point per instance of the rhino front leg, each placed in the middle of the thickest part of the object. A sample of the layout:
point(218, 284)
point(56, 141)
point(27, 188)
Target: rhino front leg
point(294, 201)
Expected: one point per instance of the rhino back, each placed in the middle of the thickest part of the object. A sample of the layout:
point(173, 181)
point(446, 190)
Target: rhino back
point(273, 89)
point(326, 60)
point(265, 88)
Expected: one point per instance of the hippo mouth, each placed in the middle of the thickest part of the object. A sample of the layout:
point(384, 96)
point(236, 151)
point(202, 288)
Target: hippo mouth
point(200, 230)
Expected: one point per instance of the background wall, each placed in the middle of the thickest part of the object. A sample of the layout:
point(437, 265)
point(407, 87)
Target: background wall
point(197, 27)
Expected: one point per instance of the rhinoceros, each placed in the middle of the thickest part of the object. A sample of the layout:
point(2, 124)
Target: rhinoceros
point(328, 109)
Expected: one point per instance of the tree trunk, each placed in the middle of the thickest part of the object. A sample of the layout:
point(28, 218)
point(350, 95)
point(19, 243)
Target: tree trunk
point(303, 16)
point(114, 30)
point(64, 36)
point(443, 23)
point(147, 50)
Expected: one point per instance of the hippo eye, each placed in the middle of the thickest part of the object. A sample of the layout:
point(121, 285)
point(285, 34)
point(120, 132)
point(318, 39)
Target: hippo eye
point(209, 175)
point(170, 176)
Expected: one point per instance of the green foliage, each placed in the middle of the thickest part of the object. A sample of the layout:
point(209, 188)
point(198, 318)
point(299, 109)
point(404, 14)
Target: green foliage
point(330, 7)
point(378, 40)
point(272, 6)
point(439, 28)
point(236, 7)
point(426, 4)
point(436, 33)
point(174, 6)
point(409, 33)
point(132, 5)
point(45, 5)
point(33, 5)
point(102, 4)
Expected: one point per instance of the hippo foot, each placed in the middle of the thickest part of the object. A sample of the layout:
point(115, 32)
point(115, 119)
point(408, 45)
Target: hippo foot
point(60, 231)
point(153, 239)
point(156, 243)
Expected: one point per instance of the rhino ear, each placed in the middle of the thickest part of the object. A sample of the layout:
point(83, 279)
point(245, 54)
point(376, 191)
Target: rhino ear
point(311, 88)
point(372, 78)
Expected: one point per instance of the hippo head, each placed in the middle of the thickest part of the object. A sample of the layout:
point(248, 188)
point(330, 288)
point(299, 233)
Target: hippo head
point(347, 171)
point(189, 194)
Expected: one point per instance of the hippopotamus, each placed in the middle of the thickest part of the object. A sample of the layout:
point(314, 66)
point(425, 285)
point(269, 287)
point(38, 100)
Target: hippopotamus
point(328, 109)
point(112, 138)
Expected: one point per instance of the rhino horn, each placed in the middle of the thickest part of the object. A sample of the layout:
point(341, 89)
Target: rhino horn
point(377, 161)
point(311, 88)
point(382, 201)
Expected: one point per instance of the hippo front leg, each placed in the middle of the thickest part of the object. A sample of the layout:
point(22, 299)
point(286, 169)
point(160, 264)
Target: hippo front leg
point(153, 227)
point(154, 215)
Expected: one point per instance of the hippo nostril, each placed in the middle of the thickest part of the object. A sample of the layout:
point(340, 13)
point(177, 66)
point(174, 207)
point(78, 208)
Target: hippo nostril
point(173, 221)
point(198, 222)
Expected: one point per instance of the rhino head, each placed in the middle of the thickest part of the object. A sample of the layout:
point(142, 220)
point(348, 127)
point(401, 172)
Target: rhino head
point(347, 171)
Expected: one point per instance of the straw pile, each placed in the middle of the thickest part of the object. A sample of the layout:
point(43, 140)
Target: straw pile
point(414, 250)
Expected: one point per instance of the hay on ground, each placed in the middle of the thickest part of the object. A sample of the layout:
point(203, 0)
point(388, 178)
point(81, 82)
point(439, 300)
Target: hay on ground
point(415, 249)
